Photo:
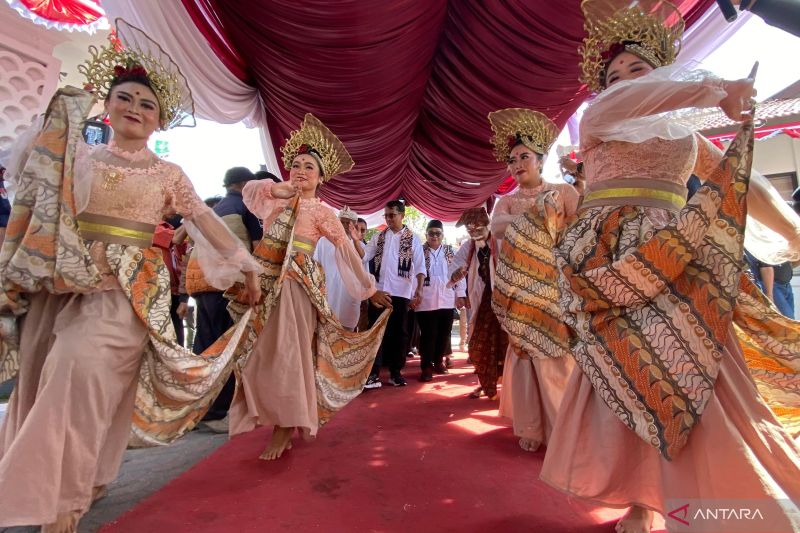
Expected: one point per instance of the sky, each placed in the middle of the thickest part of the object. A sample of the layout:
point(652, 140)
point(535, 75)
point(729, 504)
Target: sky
point(776, 51)
point(208, 150)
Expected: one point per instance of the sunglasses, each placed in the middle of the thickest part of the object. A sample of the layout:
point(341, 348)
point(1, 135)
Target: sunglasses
point(434, 233)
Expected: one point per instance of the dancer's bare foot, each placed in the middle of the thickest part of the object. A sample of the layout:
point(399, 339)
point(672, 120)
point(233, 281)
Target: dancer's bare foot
point(65, 523)
point(636, 520)
point(476, 393)
point(280, 442)
point(529, 445)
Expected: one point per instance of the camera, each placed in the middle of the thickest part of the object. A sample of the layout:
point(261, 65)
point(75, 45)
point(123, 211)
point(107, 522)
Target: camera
point(96, 132)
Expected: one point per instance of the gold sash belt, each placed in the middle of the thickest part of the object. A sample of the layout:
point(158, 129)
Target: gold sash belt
point(635, 191)
point(114, 230)
point(304, 246)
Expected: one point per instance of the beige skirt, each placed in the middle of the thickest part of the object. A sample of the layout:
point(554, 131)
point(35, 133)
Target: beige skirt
point(69, 417)
point(738, 452)
point(532, 393)
point(277, 385)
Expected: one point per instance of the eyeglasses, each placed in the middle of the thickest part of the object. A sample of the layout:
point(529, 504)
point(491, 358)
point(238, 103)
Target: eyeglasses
point(434, 234)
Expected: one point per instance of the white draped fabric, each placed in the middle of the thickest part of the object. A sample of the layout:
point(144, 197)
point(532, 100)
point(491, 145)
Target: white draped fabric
point(708, 33)
point(346, 308)
point(218, 94)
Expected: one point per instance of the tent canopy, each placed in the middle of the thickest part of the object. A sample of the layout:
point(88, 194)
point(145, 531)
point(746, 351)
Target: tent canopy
point(407, 85)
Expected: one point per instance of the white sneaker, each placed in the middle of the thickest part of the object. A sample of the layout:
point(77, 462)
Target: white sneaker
point(373, 382)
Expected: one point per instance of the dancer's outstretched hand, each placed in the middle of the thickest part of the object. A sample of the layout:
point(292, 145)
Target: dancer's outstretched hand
point(252, 288)
point(738, 100)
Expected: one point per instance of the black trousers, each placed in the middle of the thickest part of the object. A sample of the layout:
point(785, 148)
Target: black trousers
point(212, 321)
point(435, 328)
point(394, 346)
point(414, 332)
point(177, 322)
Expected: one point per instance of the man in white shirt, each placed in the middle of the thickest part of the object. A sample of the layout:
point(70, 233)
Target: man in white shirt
point(397, 255)
point(437, 307)
point(345, 307)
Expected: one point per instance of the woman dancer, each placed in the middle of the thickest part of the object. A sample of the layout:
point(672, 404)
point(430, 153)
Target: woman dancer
point(650, 288)
point(304, 365)
point(525, 297)
point(85, 297)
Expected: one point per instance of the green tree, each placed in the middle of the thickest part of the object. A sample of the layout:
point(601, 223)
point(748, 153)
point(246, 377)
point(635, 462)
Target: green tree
point(370, 233)
point(416, 221)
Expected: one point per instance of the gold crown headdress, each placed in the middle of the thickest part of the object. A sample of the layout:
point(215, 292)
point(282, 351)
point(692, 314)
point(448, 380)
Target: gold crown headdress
point(650, 29)
point(315, 139)
point(131, 53)
point(532, 128)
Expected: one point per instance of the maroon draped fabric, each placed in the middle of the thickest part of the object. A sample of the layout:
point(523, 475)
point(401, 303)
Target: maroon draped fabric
point(407, 85)
point(207, 21)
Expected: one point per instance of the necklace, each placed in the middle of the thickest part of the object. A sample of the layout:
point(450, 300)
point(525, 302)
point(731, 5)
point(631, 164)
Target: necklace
point(136, 155)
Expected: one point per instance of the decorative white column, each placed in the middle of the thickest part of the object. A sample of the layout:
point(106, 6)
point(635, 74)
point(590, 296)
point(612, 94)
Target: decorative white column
point(28, 72)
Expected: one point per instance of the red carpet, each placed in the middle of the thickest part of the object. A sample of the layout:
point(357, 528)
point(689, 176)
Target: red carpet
point(419, 458)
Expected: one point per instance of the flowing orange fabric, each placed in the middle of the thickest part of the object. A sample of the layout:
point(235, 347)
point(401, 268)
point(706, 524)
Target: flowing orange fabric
point(771, 346)
point(653, 318)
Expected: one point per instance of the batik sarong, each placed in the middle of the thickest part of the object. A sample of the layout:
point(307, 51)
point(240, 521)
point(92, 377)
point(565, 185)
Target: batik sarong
point(652, 307)
point(488, 342)
point(525, 297)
